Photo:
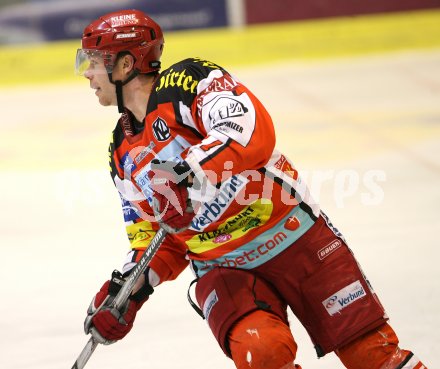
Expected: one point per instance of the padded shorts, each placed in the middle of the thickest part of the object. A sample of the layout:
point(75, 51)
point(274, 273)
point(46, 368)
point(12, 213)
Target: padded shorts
point(317, 277)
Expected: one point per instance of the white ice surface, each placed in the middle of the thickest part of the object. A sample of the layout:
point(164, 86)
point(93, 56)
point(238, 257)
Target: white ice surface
point(61, 230)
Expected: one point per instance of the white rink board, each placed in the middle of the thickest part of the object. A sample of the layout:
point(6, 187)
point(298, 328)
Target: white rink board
point(364, 131)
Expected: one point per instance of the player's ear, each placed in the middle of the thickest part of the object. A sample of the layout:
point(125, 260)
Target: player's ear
point(127, 63)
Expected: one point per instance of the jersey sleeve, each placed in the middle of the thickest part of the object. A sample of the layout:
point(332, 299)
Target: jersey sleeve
point(168, 262)
point(238, 132)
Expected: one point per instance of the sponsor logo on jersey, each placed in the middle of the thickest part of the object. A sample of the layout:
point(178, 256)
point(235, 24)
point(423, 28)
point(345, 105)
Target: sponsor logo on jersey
point(223, 83)
point(129, 211)
point(145, 151)
point(252, 216)
point(292, 223)
point(161, 130)
point(140, 234)
point(283, 165)
point(223, 126)
point(255, 250)
point(253, 223)
point(210, 301)
point(247, 257)
point(127, 164)
point(206, 63)
point(226, 107)
point(344, 297)
point(222, 238)
point(212, 210)
point(329, 249)
point(172, 78)
point(280, 162)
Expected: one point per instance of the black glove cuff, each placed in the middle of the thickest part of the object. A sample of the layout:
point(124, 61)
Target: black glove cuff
point(143, 293)
point(116, 283)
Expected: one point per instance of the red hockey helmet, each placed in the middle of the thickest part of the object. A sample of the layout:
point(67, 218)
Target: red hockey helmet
point(125, 30)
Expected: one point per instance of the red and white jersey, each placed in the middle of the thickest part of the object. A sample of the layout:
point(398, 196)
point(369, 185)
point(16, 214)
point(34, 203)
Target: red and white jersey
point(255, 205)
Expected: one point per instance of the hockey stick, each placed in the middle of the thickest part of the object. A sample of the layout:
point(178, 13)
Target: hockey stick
point(124, 293)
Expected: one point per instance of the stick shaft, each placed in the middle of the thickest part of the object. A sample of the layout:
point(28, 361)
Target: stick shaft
point(140, 267)
point(85, 354)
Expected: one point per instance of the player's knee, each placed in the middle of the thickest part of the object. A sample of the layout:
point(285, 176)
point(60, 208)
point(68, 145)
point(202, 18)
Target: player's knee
point(262, 340)
point(377, 349)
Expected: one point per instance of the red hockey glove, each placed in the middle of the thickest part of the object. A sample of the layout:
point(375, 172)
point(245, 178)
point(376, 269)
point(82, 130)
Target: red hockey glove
point(106, 324)
point(172, 207)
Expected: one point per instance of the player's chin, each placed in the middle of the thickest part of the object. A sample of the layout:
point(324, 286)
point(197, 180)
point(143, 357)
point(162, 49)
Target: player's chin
point(105, 101)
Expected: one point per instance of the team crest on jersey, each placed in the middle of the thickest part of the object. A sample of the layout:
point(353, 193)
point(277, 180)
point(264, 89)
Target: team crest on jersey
point(161, 130)
point(292, 223)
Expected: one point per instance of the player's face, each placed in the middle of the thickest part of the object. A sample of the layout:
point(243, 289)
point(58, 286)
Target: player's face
point(96, 73)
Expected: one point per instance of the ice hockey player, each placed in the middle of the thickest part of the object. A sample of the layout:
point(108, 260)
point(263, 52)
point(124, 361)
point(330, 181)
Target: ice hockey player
point(194, 152)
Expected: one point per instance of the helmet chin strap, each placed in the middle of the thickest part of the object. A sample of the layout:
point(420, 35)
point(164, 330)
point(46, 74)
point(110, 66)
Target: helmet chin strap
point(119, 84)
